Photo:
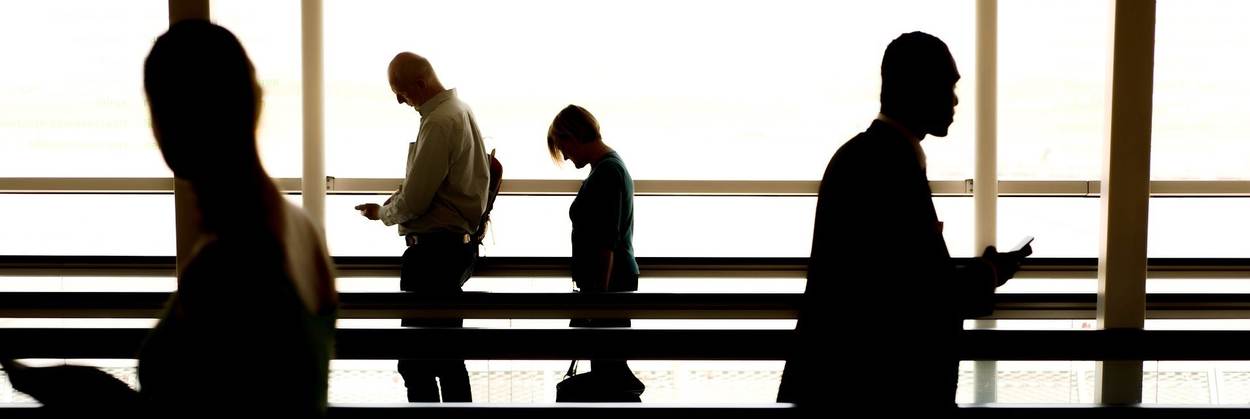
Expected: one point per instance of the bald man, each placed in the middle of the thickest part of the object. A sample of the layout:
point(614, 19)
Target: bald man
point(438, 206)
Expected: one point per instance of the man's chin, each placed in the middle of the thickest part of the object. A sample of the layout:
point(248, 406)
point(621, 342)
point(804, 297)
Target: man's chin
point(941, 130)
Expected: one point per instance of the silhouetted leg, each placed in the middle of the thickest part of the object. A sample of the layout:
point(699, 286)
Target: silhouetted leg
point(419, 374)
point(454, 380)
point(787, 391)
point(617, 369)
point(419, 379)
point(436, 269)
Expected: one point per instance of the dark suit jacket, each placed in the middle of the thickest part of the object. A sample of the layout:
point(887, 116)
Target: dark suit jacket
point(884, 302)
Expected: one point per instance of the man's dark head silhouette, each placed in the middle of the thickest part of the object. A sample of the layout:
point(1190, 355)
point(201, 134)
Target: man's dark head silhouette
point(918, 78)
point(204, 100)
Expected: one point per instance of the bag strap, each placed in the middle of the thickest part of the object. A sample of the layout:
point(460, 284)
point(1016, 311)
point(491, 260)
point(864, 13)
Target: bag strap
point(572, 369)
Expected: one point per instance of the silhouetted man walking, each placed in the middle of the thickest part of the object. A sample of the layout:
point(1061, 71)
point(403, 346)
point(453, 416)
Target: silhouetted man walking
point(884, 300)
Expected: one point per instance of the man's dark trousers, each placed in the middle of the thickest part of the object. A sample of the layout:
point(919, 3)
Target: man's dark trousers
point(436, 264)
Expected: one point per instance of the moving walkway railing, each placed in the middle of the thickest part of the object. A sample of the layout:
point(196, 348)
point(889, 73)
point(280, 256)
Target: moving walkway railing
point(666, 344)
point(483, 305)
point(367, 266)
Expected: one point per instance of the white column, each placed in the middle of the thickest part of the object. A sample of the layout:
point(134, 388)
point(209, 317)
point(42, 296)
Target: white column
point(985, 178)
point(314, 184)
point(186, 223)
point(1126, 192)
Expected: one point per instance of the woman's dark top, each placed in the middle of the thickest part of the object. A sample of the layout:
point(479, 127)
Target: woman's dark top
point(603, 218)
point(237, 335)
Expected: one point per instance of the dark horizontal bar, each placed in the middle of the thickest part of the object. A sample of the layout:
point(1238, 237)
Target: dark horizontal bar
point(558, 266)
point(469, 343)
point(778, 411)
point(665, 344)
point(474, 305)
point(389, 265)
point(564, 411)
point(481, 305)
point(718, 411)
point(569, 305)
point(1104, 345)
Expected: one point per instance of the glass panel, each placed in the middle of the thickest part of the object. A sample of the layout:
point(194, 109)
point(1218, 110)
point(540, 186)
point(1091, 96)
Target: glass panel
point(64, 323)
point(1198, 324)
point(1064, 227)
point(694, 226)
point(509, 381)
point(1196, 382)
point(1033, 382)
point(1198, 228)
point(731, 100)
point(71, 99)
point(1198, 285)
point(1032, 324)
point(1200, 89)
point(104, 225)
point(1052, 78)
point(270, 32)
point(87, 284)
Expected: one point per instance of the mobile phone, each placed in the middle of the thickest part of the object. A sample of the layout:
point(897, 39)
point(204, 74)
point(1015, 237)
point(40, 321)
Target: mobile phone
point(1023, 247)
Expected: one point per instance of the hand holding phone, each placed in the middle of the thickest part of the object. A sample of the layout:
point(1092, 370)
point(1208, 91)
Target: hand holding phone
point(1023, 249)
point(1006, 264)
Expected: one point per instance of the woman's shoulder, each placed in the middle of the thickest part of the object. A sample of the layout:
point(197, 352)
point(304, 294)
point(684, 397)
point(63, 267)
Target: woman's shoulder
point(611, 169)
point(308, 260)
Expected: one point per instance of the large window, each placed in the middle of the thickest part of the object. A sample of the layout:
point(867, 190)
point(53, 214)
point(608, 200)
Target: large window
point(1052, 84)
point(1200, 90)
point(71, 98)
point(270, 31)
point(115, 225)
point(1199, 100)
point(684, 90)
point(1207, 227)
point(1064, 226)
point(686, 226)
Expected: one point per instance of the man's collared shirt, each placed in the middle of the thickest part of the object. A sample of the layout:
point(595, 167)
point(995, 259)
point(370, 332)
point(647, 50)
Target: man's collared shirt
point(447, 175)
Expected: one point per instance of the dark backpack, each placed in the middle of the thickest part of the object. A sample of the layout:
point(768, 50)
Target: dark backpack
point(496, 181)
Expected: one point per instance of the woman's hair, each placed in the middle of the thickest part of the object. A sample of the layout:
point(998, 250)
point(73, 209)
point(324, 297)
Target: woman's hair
point(572, 123)
point(205, 102)
point(203, 98)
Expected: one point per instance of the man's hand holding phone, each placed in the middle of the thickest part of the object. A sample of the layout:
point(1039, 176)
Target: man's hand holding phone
point(1024, 248)
point(1007, 264)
